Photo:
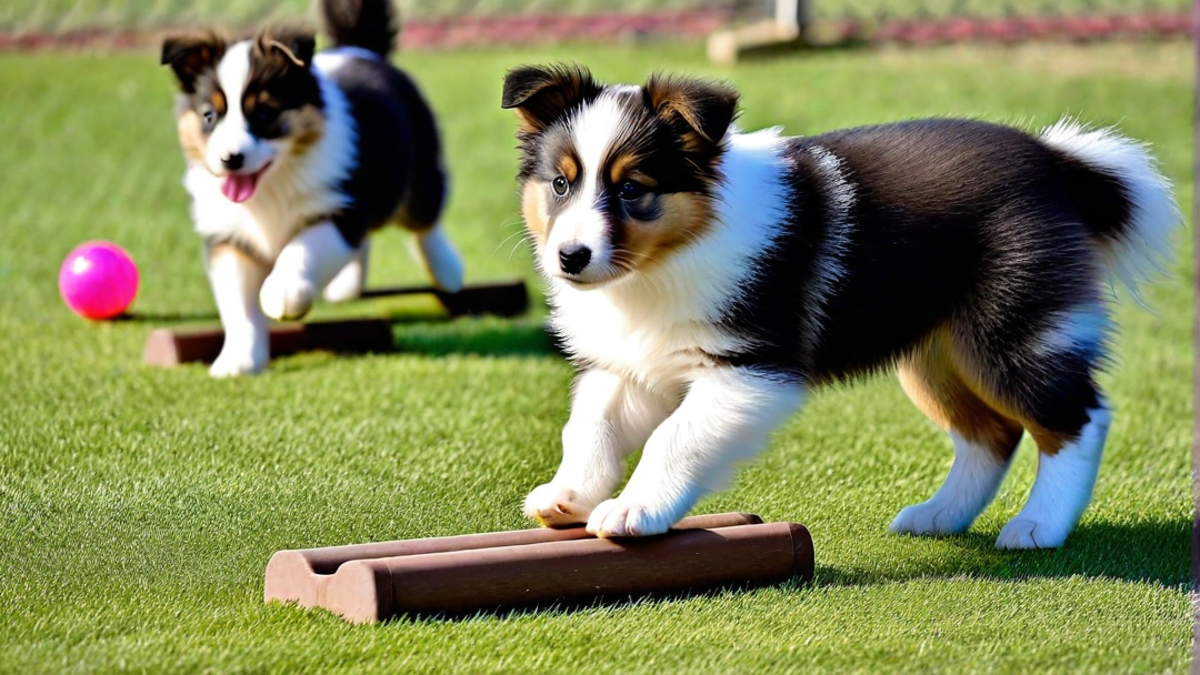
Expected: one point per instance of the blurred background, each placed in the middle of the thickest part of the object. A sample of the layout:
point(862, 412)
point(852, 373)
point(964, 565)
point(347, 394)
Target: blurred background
point(455, 23)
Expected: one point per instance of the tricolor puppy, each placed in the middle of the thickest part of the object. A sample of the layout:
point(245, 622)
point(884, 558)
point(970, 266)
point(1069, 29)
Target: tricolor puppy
point(705, 279)
point(293, 159)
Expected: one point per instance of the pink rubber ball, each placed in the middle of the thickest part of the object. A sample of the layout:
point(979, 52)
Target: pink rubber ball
point(98, 280)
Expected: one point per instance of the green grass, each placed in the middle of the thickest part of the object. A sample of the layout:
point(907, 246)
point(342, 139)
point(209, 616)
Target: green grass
point(139, 506)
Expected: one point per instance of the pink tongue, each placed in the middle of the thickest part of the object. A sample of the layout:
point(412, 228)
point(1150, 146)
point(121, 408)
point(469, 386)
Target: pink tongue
point(240, 187)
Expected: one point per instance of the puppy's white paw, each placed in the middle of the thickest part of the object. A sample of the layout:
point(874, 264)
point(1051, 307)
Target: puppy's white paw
point(930, 519)
point(1023, 533)
point(626, 518)
point(236, 362)
point(286, 298)
point(555, 506)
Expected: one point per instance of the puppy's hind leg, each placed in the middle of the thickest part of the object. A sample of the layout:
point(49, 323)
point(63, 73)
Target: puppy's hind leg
point(984, 443)
point(349, 283)
point(442, 261)
point(1048, 385)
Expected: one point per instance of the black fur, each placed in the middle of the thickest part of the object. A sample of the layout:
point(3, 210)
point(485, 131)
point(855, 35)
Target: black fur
point(280, 79)
point(399, 164)
point(368, 24)
point(955, 224)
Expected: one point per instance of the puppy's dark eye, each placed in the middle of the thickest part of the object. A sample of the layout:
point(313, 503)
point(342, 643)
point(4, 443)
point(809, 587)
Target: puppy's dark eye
point(631, 191)
point(264, 114)
point(208, 116)
point(560, 185)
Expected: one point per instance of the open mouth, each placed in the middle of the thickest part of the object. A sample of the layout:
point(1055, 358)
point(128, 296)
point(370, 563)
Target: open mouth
point(239, 187)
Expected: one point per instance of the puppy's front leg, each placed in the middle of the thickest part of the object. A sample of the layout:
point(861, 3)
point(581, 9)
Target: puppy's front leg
point(725, 417)
point(235, 278)
point(610, 418)
point(305, 266)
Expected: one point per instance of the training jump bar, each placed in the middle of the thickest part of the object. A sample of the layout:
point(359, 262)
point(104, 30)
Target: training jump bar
point(168, 348)
point(371, 582)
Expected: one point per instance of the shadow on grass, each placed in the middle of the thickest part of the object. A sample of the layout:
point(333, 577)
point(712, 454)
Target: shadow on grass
point(167, 317)
point(594, 603)
point(485, 336)
point(1148, 551)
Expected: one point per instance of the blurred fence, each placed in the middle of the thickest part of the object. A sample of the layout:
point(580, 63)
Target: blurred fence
point(461, 23)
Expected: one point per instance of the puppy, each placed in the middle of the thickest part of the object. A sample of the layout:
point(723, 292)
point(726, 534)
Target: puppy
point(704, 280)
point(293, 159)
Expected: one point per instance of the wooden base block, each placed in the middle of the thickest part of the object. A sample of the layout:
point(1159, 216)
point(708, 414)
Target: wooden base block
point(371, 582)
point(167, 348)
point(727, 47)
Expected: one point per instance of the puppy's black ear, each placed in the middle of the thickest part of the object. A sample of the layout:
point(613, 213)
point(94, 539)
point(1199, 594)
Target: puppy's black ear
point(190, 55)
point(700, 110)
point(541, 95)
point(295, 45)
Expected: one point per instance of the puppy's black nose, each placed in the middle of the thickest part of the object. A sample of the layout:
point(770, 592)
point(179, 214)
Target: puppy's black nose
point(234, 161)
point(574, 258)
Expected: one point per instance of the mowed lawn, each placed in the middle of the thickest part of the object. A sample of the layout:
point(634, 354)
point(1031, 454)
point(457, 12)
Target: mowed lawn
point(138, 506)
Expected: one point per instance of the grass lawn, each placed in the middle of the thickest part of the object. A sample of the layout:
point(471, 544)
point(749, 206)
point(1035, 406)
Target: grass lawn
point(139, 506)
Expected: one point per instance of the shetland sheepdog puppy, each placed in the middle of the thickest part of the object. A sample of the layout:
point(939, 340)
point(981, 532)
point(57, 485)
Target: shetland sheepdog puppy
point(294, 158)
point(704, 280)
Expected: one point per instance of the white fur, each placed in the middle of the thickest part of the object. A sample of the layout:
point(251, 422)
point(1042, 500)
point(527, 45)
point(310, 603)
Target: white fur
point(839, 223)
point(330, 60)
point(968, 489)
point(305, 266)
point(440, 258)
point(593, 130)
point(647, 334)
point(235, 279)
point(291, 191)
point(725, 417)
point(611, 417)
point(1081, 330)
point(231, 135)
point(1061, 491)
point(349, 283)
point(1144, 251)
point(652, 327)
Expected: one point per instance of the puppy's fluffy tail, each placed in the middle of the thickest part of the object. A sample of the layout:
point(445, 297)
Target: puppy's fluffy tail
point(1125, 201)
point(366, 24)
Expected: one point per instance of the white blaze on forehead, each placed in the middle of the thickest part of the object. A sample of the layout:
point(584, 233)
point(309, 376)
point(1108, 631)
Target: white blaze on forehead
point(593, 129)
point(231, 135)
point(232, 73)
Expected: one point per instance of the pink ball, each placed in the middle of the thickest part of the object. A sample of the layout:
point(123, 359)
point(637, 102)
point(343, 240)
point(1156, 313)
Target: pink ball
point(98, 280)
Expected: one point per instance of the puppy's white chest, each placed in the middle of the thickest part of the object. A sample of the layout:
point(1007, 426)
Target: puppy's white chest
point(660, 352)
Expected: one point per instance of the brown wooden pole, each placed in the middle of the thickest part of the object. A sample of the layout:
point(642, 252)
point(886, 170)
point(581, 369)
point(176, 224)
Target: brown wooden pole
point(511, 569)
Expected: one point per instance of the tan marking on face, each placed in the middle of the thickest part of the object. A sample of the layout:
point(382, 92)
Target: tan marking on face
point(623, 167)
point(218, 101)
point(683, 218)
point(306, 126)
point(568, 167)
point(533, 208)
point(191, 138)
point(935, 385)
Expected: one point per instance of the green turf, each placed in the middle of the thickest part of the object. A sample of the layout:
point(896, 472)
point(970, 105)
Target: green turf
point(139, 506)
